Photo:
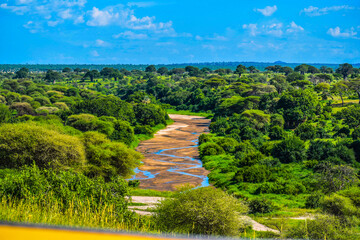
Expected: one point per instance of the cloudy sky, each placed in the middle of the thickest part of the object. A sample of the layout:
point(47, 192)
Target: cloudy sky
point(172, 31)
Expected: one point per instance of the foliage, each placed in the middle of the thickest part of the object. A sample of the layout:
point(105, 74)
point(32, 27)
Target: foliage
point(201, 211)
point(26, 143)
point(108, 159)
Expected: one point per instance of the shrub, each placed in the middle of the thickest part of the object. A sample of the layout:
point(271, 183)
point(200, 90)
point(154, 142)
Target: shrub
point(139, 129)
point(47, 110)
point(109, 159)
point(62, 106)
point(201, 211)
point(203, 138)
point(228, 144)
point(5, 113)
point(314, 200)
point(356, 133)
point(260, 205)
point(292, 149)
point(25, 144)
point(339, 206)
point(276, 133)
point(306, 131)
point(88, 122)
point(323, 227)
point(22, 108)
point(123, 132)
point(209, 149)
point(277, 120)
point(253, 174)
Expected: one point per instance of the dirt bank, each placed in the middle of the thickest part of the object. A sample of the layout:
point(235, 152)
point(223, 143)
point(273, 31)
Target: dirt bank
point(171, 157)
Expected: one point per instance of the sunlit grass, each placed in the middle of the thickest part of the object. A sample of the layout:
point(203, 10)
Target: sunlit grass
point(78, 214)
point(187, 112)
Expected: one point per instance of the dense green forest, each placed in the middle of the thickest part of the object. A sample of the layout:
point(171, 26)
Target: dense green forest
point(281, 139)
point(211, 65)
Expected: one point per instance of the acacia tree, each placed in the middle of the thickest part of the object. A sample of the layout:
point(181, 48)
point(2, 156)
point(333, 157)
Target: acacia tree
point(340, 88)
point(52, 76)
point(22, 73)
point(345, 70)
point(355, 85)
point(252, 69)
point(150, 68)
point(240, 69)
point(303, 68)
point(92, 74)
point(162, 71)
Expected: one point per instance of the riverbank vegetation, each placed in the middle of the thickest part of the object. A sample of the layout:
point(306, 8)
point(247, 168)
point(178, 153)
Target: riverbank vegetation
point(285, 142)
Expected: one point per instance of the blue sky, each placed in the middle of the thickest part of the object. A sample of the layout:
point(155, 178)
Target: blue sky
point(159, 31)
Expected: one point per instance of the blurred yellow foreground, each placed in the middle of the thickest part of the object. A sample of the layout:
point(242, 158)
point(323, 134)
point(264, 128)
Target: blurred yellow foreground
point(33, 233)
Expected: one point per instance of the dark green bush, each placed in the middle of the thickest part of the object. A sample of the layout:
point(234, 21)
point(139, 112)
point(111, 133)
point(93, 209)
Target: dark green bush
point(292, 149)
point(260, 205)
point(209, 149)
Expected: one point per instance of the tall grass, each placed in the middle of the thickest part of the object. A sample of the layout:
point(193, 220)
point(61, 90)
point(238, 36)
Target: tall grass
point(79, 213)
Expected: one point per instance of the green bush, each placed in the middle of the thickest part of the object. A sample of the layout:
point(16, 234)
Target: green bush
point(276, 133)
point(209, 149)
point(109, 159)
point(260, 205)
point(88, 122)
point(22, 108)
point(201, 211)
point(292, 149)
point(123, 132)
point(314, 200)
point(5, 113)
point(356, 133)
point(323, 227)
point(26, 143)
point(339, 206)
point(306, 131)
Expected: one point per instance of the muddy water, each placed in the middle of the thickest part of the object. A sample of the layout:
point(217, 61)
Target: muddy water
point(171, 157)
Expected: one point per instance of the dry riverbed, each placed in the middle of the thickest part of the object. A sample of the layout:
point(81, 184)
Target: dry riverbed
point(171, 157)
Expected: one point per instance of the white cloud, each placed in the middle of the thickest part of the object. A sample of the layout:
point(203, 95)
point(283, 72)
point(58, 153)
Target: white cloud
point(215, 37)
point(23, 1)
point(33, 27)
point(252, 28)
point(199, 38)
point(102, 43)
point(294, 28)
point(47, 12)
point(213, 47)
point(267, 11)
point(79, 19)
point(20, 10)
point(94, 53)
point(315, 11)
point(66, 14)
point(141, 4)
point(53, 23)
point(274, 29)
point(131, 35)
point(114, 15)
point(124, 17)
point(336, 32)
